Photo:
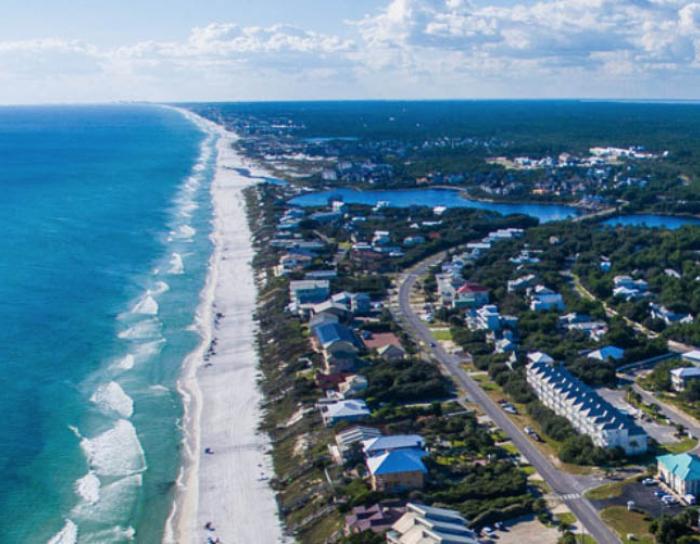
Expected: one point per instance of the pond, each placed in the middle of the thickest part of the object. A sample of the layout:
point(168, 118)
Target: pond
point(450, 198)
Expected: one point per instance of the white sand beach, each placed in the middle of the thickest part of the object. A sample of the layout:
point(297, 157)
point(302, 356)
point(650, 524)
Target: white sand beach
point(229, 487)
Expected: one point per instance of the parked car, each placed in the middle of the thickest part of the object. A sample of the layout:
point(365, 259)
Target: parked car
point(488, 531)
point(689, 499)
point(669, 500)
point(659, 493)
point(527, 430)
point(536, 437)
point(649, 481)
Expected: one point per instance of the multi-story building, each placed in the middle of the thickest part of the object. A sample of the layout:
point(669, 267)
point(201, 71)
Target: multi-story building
point(587, 411)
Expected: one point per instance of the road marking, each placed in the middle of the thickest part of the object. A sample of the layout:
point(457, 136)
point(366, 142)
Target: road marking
point(570, 496)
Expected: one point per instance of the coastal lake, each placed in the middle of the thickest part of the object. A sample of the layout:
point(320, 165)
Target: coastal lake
point(654, 221)
point(450, 198)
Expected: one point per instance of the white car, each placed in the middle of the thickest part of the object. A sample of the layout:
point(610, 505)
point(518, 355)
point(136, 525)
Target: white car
point(649, 481)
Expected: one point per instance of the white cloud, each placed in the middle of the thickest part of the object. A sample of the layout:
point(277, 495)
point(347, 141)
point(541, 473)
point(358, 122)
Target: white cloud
point(410, 48)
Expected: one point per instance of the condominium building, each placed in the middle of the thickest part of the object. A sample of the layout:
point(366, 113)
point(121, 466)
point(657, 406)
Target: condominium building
point(587, 411)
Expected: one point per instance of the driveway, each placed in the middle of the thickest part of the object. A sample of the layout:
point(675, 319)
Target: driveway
point(663, 434)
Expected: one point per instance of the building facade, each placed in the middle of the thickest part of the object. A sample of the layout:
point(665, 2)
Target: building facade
point(587, 411)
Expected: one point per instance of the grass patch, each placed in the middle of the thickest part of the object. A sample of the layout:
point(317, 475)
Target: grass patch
point(510, 448)
point(608, 491)
point(442, 335)
point(567, 519)
point(683, 446)
point(626, 523)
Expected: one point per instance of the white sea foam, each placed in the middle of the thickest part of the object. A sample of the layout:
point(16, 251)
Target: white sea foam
point(126, 362)
point(159, 288)
point(114, 534)
point(111, 398)
point(176, 264)
point(115, 496)
point(141, 330)
point(67, 535)
point(115, 452)
point(185, 232)
point(187, 208)
point(147, 305)
point(88, 488)
point(159, 388)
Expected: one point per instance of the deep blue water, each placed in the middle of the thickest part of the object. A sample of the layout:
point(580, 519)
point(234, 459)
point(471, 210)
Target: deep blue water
point(99, 205)
point(436, 197)
point(671, 222)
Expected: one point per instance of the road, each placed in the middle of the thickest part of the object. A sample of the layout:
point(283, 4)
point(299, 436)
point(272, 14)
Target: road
point(568, 487)
point(676, 415)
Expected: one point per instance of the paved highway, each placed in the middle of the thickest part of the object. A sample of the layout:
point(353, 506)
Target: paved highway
point(562, 483)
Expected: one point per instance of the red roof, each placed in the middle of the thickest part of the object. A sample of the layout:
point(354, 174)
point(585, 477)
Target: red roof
point(471, 287)
point(381, 339)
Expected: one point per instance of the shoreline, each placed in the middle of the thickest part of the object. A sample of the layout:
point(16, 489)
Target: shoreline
point(221, 398)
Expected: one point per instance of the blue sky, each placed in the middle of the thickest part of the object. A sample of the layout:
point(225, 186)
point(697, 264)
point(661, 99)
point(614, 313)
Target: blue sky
point(180, 50)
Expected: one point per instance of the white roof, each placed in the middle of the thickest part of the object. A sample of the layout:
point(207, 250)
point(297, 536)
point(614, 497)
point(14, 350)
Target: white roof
point(539, 357)
point(693, 356)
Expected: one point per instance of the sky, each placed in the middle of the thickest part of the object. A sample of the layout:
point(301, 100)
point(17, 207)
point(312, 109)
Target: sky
point(57, 51)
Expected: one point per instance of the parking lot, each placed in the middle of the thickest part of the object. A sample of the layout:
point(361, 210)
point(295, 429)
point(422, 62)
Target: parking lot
point(663, 434)
point(644, 499)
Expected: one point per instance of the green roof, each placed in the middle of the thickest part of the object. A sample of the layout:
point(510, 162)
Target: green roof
point(684, 465)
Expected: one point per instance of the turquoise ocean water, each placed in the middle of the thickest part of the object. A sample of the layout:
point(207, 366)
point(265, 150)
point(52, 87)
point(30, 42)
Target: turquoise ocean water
point(105, 222)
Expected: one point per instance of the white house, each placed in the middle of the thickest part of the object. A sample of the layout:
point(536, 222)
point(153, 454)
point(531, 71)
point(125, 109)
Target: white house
point(543, 299)
point(681, 376)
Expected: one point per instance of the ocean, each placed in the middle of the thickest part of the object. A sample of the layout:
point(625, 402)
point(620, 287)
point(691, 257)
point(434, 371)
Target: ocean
point(105, 214)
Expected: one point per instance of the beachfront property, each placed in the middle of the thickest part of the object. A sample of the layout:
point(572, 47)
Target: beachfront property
point(587, 411)
point(308, 291)
point(292, 262)
point(383, 444)
point(353, 385)
point(395, 462)
point(629, 289)
point(345, 440)
point(658, 311)
point(377, 518)
point(680, 377)
point(429, 525)
point(333, 411)
point(680, 472)
point(397, 470)
point(543, 299)
point(339, 346)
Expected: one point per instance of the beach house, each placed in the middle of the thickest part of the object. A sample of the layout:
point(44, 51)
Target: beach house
point(339, 346)
point(397, 470)
point(308, 291)
point(680, 472)
point(342, 410)
point(543, 299)
point(470, 295)
point(345, 440)
point(429, 525)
